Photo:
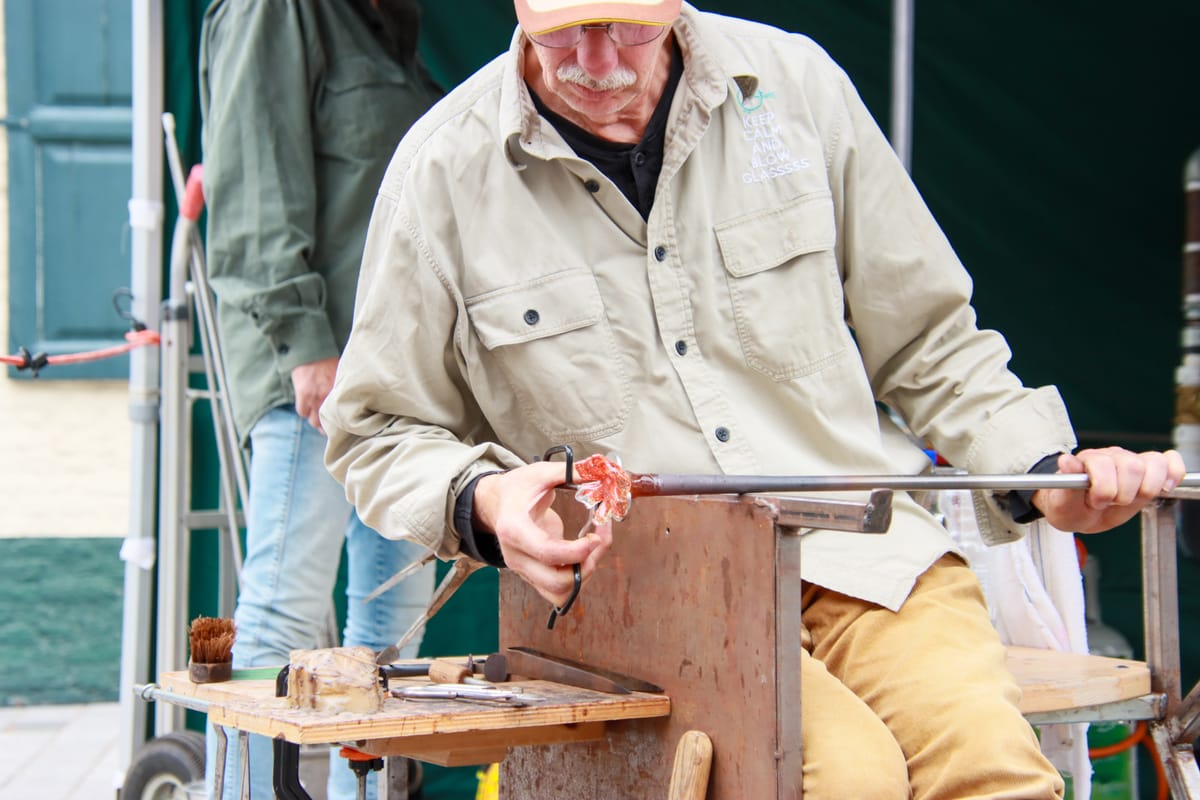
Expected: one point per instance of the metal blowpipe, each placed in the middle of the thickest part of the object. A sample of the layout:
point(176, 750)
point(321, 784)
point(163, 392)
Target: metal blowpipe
point(663, 484)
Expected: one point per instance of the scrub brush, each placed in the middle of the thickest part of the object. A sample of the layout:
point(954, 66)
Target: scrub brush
point(211, 640)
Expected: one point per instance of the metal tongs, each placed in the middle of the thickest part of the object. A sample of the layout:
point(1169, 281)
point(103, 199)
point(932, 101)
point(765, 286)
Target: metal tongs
point(458, 691)
point(458, 574)
point(668, 484)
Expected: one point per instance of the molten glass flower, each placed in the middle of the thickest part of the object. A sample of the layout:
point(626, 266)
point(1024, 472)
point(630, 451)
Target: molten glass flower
point(605, 488)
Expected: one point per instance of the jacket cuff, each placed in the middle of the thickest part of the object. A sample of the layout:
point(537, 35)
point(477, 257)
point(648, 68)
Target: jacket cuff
point(477, 544)
point(302, 340)
point(1020, 502)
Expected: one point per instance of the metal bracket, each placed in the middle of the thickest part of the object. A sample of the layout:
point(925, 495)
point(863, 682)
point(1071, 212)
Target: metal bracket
point(872, 516)
point(286, 773)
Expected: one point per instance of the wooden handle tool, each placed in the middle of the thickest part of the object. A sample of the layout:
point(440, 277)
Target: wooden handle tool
point(693, 761)
point(449, 672)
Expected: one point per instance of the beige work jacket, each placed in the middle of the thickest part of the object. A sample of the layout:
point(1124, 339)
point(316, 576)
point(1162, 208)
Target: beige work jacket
point(789, 278)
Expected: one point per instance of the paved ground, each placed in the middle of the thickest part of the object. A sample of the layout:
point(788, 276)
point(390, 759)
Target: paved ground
point(65, 752)
point(69, 752)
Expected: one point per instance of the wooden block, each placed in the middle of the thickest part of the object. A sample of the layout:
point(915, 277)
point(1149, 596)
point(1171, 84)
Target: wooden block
point(334, 679)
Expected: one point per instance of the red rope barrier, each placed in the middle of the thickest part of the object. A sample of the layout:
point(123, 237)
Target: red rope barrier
point(34, 363)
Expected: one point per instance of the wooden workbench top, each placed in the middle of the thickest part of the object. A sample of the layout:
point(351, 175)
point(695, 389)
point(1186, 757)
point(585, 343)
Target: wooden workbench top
point(456, 732)
point(447, 732)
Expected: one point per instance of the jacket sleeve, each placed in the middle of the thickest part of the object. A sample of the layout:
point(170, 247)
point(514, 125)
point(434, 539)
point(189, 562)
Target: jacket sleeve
point(405, 434)
point(257, 84)
point(908, 302)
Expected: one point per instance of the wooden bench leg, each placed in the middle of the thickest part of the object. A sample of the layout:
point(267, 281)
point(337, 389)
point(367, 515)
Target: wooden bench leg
point(693, 760)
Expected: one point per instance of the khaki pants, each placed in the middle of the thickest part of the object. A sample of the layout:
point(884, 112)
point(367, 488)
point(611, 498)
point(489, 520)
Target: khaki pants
point(917, 703)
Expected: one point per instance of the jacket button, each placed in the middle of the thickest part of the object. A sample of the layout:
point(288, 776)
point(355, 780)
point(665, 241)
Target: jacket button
point(532, 317)
point(660, 253)
point(592, 185)
point(681, 347)
point(283, 350)
point(722, 434)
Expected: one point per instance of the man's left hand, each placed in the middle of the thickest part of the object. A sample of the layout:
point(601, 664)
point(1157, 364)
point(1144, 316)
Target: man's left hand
point(1122, 483)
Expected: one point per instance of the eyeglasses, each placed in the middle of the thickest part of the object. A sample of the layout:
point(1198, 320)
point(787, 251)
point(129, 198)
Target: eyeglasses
point(625, 34)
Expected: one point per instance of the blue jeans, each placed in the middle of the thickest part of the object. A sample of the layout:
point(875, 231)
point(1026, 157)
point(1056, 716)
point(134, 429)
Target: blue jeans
point(297, 519)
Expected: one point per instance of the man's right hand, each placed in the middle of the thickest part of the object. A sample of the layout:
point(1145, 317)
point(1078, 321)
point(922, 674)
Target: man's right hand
point(515, 505)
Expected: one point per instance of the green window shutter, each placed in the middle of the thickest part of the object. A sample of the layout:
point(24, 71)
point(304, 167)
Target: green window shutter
point(69, 123)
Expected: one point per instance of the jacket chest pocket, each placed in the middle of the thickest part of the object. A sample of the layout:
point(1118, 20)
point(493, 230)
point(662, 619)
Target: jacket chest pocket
point(553, 342)
point(364, 108)
point(785, 287)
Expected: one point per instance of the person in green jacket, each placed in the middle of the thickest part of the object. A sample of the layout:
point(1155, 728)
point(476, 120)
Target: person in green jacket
point(303, 103)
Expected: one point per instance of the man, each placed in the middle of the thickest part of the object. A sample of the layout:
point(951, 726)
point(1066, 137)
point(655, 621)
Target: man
point(681, 238)
point(303, 102)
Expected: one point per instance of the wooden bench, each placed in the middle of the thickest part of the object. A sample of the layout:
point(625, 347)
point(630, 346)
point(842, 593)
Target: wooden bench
point(1067, 687)
point(719, 635)
point(713, 620)
point(1059, 687)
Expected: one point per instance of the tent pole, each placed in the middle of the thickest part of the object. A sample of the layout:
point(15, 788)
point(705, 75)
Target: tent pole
point(145, 218)
point(903, 19)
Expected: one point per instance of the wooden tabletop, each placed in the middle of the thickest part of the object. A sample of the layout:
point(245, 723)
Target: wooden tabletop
point(446, 732)
point(457, 732)
point(1053, 681)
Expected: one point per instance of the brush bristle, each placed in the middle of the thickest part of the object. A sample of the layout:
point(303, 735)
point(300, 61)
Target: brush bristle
point(211, 640)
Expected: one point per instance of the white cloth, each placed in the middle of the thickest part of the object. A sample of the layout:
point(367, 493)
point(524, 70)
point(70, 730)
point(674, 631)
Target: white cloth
point(1035, 592)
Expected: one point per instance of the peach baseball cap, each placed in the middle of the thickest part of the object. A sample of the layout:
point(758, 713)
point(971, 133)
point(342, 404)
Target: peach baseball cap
point(541, 16)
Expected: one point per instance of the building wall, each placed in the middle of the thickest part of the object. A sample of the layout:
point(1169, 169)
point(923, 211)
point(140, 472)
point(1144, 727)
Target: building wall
point(64, 444)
